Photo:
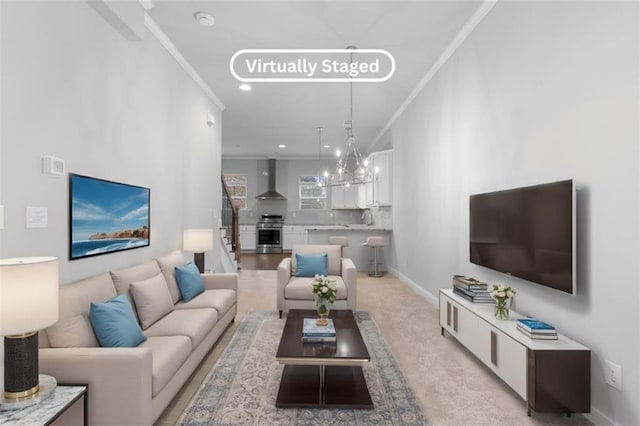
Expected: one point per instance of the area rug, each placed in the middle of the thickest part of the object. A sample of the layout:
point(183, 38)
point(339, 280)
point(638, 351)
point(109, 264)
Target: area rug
point(242, 386)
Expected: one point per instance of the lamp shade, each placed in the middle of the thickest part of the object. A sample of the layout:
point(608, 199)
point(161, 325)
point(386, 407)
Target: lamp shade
point(198, 240)
point(28, 294)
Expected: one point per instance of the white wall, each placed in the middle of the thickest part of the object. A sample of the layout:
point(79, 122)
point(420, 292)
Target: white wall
point(74, 88)
point(540, 91)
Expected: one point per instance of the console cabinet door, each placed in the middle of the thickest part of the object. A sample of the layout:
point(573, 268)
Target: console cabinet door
point(504, 355)
point(458, 321)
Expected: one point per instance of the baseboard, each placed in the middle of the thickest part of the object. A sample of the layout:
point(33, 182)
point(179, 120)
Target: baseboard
point(598, 418)
point(433, 299)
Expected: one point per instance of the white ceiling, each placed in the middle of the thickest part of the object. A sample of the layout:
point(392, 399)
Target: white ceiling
point(254, 123)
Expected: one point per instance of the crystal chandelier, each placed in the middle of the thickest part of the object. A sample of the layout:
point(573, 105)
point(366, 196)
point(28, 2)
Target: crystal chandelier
point(351, 168)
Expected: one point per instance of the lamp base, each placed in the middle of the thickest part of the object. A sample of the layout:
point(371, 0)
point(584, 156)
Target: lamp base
point(198, 260)
point(46, 385)
point(21, 365)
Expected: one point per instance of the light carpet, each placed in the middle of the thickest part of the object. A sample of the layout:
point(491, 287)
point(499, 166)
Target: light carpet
point(243, 385)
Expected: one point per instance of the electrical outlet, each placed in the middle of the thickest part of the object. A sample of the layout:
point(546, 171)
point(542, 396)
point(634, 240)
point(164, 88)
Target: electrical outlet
point(613, 374)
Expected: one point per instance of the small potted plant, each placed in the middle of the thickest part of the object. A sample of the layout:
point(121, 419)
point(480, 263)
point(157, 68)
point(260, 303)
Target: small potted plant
point(502, 294)
point(325, 291)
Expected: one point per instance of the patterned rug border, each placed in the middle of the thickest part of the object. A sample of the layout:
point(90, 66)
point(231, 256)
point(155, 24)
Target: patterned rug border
point(394, 401)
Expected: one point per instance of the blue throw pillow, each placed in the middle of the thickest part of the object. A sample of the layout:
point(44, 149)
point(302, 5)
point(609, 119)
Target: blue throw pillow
point(115, 324)
point(189, 281)
point(310, 265)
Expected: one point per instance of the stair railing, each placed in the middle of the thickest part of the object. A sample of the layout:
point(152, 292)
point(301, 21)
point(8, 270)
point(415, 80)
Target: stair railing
point(231, 219)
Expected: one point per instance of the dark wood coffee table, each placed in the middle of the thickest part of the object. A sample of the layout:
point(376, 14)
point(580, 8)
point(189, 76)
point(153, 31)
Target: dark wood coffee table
point(323, 375)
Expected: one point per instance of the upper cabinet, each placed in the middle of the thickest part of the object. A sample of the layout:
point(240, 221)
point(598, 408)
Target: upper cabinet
point(344, 197)
point(373, 194)
point(379, 192)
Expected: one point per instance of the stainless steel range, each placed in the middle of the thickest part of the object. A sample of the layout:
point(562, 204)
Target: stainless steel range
point(269, 233)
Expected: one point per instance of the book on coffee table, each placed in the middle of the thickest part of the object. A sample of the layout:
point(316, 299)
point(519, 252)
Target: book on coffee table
point(311, 329)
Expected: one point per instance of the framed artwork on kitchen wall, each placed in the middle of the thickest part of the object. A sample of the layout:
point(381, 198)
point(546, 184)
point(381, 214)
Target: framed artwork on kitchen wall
point(106, 216)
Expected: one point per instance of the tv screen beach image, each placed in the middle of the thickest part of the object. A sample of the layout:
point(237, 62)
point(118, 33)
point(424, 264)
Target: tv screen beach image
point(106, 216)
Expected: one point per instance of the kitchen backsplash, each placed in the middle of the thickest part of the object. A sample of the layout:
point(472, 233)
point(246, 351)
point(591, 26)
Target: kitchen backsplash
point(381, 216)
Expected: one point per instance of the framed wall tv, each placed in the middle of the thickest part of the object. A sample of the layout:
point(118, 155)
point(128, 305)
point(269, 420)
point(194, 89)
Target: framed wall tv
point(527, 232)
point(106, 216)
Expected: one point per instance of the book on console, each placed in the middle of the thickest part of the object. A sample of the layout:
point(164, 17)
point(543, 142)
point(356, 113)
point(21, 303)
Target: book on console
point(537, 332)
point(531, 324)
point(472, 292)
point(472, 298)
point(538, 336)
point(468, 282)
point(311, 329)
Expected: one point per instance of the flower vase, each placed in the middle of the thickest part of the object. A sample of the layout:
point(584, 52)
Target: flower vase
point(501, 310)
point(324, 307)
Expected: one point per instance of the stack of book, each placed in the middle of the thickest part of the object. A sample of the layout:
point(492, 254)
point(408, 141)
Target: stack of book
point(537, 330)
point(471, 289)
point(313, 333)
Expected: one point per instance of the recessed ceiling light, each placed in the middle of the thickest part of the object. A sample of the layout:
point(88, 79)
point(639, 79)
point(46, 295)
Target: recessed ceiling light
point(326, 146)
point(205, 19)
point(245, 87)
point(282, 146)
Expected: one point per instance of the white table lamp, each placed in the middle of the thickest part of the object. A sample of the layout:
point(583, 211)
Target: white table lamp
point(198, 241)
point(28, 303)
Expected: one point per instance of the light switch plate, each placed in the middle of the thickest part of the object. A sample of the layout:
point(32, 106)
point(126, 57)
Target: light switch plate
point(1, 217)
point(52, 166)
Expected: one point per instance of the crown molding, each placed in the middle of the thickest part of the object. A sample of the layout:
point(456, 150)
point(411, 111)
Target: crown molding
point(186, 66)
point(462, 35)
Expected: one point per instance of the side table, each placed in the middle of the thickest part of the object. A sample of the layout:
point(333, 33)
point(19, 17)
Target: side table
point(50, 408)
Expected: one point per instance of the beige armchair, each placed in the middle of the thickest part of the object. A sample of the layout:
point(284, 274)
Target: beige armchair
point(295, 292)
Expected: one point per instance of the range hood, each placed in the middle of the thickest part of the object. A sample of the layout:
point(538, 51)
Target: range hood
point(271, 193)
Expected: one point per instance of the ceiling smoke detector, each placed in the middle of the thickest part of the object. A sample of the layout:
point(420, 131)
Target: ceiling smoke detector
point(205, 19)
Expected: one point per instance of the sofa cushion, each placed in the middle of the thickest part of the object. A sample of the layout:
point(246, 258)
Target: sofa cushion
point(167, 266)
point(189, 281)
point(299, 288)
point(310, 265)
point(122, 278)
point(193, 323)
point(152, 299)
point(168, 354)
point(334, 256)
point(74, 302)
point(73, 332)
point(221, 300)
point(115, 324)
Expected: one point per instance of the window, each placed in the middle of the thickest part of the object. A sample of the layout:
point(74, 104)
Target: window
point(312, 196)
point(237, 186)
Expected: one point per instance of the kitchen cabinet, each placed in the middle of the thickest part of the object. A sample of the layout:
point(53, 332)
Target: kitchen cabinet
point(381, 163)
point(344, 197)
point(247, 237)
point(292, 235)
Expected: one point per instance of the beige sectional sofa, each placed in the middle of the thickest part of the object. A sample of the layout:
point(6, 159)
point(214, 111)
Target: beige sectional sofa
point(133, 386)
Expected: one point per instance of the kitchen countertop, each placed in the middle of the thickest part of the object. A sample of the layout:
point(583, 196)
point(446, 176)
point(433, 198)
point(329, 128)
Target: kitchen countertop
point(350, 227)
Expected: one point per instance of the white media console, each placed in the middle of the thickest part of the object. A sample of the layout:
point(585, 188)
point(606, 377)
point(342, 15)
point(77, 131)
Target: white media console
point(551, 375)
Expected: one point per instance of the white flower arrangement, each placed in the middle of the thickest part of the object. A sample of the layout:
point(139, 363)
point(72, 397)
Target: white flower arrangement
point(501, 292)
point(325, 288)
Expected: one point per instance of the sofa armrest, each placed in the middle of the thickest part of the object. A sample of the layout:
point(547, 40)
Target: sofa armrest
point(284, 274)
point(221, 280)
point(349, 276)
point(119, 379)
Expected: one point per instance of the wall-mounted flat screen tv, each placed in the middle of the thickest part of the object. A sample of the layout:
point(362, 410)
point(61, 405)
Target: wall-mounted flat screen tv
point(527, 232)
point(106, 217)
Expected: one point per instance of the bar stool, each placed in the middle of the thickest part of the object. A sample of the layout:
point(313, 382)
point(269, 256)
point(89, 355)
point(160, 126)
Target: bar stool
point(339, 241)
point(374, 242)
